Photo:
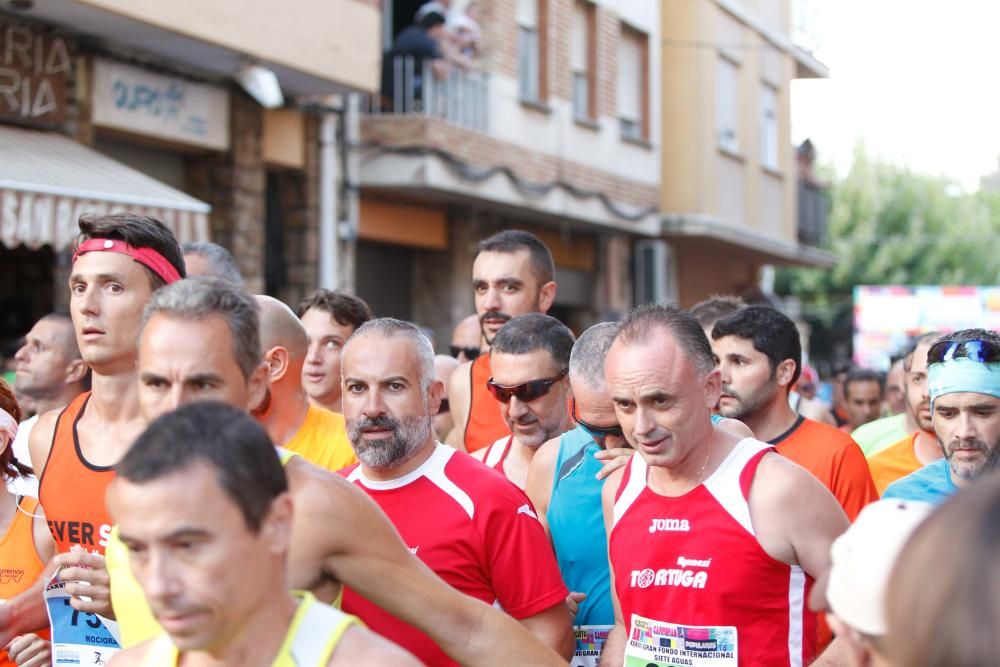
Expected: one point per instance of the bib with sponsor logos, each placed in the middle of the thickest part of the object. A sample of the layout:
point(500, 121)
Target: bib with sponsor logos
point(589, 644)
point(78, 638)
point(660, 644)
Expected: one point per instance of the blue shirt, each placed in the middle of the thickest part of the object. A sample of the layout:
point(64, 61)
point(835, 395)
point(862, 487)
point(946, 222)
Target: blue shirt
point(931, 484)
point(576, 523)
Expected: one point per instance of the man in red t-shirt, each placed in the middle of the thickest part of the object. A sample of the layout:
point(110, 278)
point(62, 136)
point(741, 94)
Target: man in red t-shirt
point(760, 356)
point(468, 524)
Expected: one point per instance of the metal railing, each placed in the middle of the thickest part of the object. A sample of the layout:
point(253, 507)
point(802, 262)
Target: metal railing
point(412, 87)
point(812, 214)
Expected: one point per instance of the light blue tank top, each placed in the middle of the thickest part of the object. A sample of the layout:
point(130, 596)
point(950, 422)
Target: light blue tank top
point(577, 526)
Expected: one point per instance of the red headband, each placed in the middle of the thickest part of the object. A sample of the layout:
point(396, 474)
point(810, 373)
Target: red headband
point(148, 257)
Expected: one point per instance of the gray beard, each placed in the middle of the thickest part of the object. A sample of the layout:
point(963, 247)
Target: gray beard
point(408, 435)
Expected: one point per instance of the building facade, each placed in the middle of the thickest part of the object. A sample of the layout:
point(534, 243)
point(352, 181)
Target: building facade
point(117, 105)
point(730, 190)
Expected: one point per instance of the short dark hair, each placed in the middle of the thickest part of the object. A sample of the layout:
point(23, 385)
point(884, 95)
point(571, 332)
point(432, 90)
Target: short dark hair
point(139, 231)
point(234, 444)
point(863, 375)
point(431, 19)
point(930, 337)
point(534, 331)
point(772, 332)
point(347, 309)
point(514, 240)
point(639, 324)
point(965, 335)
point(714, 308)
point(10, 467)
point(221, 262)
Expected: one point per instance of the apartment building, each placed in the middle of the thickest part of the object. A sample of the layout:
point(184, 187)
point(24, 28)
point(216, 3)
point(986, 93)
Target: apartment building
point(552, 128)
point(731, 194)
point(159, 108)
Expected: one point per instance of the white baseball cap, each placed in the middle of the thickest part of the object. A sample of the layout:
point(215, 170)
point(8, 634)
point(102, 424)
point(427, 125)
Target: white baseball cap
point(863, 558)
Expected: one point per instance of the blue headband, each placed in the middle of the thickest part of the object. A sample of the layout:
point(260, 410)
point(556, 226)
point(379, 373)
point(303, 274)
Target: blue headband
point(963, 375)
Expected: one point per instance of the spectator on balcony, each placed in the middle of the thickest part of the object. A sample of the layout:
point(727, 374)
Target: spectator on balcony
point(466, 37)
point(421, 44)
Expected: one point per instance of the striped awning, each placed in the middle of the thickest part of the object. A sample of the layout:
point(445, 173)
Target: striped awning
point(47, 181)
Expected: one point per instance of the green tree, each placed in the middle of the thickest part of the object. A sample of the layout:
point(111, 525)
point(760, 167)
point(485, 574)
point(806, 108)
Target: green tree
point(891, 226)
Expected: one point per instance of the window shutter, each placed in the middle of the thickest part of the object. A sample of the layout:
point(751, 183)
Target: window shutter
point(527, 13)
point(629, 78)
point(578, 39)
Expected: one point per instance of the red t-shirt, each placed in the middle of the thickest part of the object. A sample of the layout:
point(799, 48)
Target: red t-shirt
point(473, 528)
point(834, 459)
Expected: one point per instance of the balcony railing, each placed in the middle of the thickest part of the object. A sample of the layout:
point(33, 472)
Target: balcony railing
point(414, 87)
point(812, 214)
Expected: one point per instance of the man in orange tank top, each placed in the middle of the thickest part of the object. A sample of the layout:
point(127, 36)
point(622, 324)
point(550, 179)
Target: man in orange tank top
point(119, 261)
point(511, 275)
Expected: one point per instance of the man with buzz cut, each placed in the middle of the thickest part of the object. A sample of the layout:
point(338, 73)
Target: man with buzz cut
point(513, 274)
point(963, 384)
point(530, 364)
point(468, 524)
point(202, 503)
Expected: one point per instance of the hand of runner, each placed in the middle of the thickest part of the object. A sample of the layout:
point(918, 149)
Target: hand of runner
point(29, 651)
point(573, 601)
point(86, 578)
point(6, 620)
point(613, 459)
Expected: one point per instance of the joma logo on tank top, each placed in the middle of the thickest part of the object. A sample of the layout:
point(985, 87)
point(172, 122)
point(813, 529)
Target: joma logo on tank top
point(669, 525)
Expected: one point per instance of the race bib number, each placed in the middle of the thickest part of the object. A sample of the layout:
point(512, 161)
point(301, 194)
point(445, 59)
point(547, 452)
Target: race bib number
point(589, 644)
point(659, 644)
point(78, 638)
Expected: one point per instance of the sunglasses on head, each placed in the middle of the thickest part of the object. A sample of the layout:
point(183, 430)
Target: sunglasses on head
point(597, 431)
point(525, 392)
point(470, 352)
point(981, 351)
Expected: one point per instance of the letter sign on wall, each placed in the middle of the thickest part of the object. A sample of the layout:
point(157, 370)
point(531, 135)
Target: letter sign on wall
point(34, 68)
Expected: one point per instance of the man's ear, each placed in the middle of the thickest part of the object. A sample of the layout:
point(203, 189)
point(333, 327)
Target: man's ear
point(277, 360)
point(713, 388)
point(277, 525)
point(547, 296)
point(784, 372)
point(258, 384)
point(435, 394)
point(76, 370)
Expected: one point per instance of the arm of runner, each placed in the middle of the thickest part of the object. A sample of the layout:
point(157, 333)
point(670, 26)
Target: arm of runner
point(459, 395)
point(836, 654)
point(25, 612)
point(539, 484)
point(361, 540)
point(86, 576)
point(554, 627)
point(613, 654)
point(40, 441)
point(852, 481)
point(361, 646)
point(30, 651)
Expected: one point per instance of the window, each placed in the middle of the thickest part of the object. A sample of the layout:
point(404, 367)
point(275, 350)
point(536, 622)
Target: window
point(769, 127)
point(727, 105)
point(581, 68)
point(529, 69)
point(633, 81)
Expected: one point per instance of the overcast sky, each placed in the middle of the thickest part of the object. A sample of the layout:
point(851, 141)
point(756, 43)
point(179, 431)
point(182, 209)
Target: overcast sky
point(917, 80)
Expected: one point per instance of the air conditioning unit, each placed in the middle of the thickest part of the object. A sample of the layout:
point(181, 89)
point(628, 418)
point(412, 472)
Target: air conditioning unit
point(655, 272)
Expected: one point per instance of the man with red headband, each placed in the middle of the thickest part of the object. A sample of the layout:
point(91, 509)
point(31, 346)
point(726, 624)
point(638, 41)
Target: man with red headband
point(119, 261)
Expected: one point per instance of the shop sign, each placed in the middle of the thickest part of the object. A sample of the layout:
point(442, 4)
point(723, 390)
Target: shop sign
point(34, 69)
point(170, 108)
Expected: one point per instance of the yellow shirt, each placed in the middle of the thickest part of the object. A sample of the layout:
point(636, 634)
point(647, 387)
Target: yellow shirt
point(894, 462)
point(322, 440)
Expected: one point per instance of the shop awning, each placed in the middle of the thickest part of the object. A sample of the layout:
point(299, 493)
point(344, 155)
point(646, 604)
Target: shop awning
point(47, 181)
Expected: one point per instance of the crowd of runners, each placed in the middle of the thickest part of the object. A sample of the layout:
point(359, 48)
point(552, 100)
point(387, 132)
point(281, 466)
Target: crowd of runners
point(212, 478)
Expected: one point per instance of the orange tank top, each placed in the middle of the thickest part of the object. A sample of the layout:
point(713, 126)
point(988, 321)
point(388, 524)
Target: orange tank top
point(71, 489)
point(19, 561)
point(485, 424)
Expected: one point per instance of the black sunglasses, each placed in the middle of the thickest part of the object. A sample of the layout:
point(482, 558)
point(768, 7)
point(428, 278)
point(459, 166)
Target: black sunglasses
point(470, 352)
point(597, 431)
point(525, 392)
point(980, 351)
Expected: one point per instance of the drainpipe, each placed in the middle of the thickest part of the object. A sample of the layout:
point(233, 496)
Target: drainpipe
point(329, 250)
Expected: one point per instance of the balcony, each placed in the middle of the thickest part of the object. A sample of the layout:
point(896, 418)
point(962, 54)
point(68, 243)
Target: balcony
point(411, 87)
point(812, 203)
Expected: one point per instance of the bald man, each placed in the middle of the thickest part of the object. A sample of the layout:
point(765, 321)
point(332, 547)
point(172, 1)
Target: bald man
point(467, 339)
point(311, 431)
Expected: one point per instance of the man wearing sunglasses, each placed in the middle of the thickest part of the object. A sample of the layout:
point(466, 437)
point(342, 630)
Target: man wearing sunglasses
point(919, 446)
point(530, 361)
point(512, 275)
point(466, 339)
point(713, 540)
point(963, 379)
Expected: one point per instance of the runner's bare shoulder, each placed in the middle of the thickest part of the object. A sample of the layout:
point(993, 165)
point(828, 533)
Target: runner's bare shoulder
point(40, 440)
